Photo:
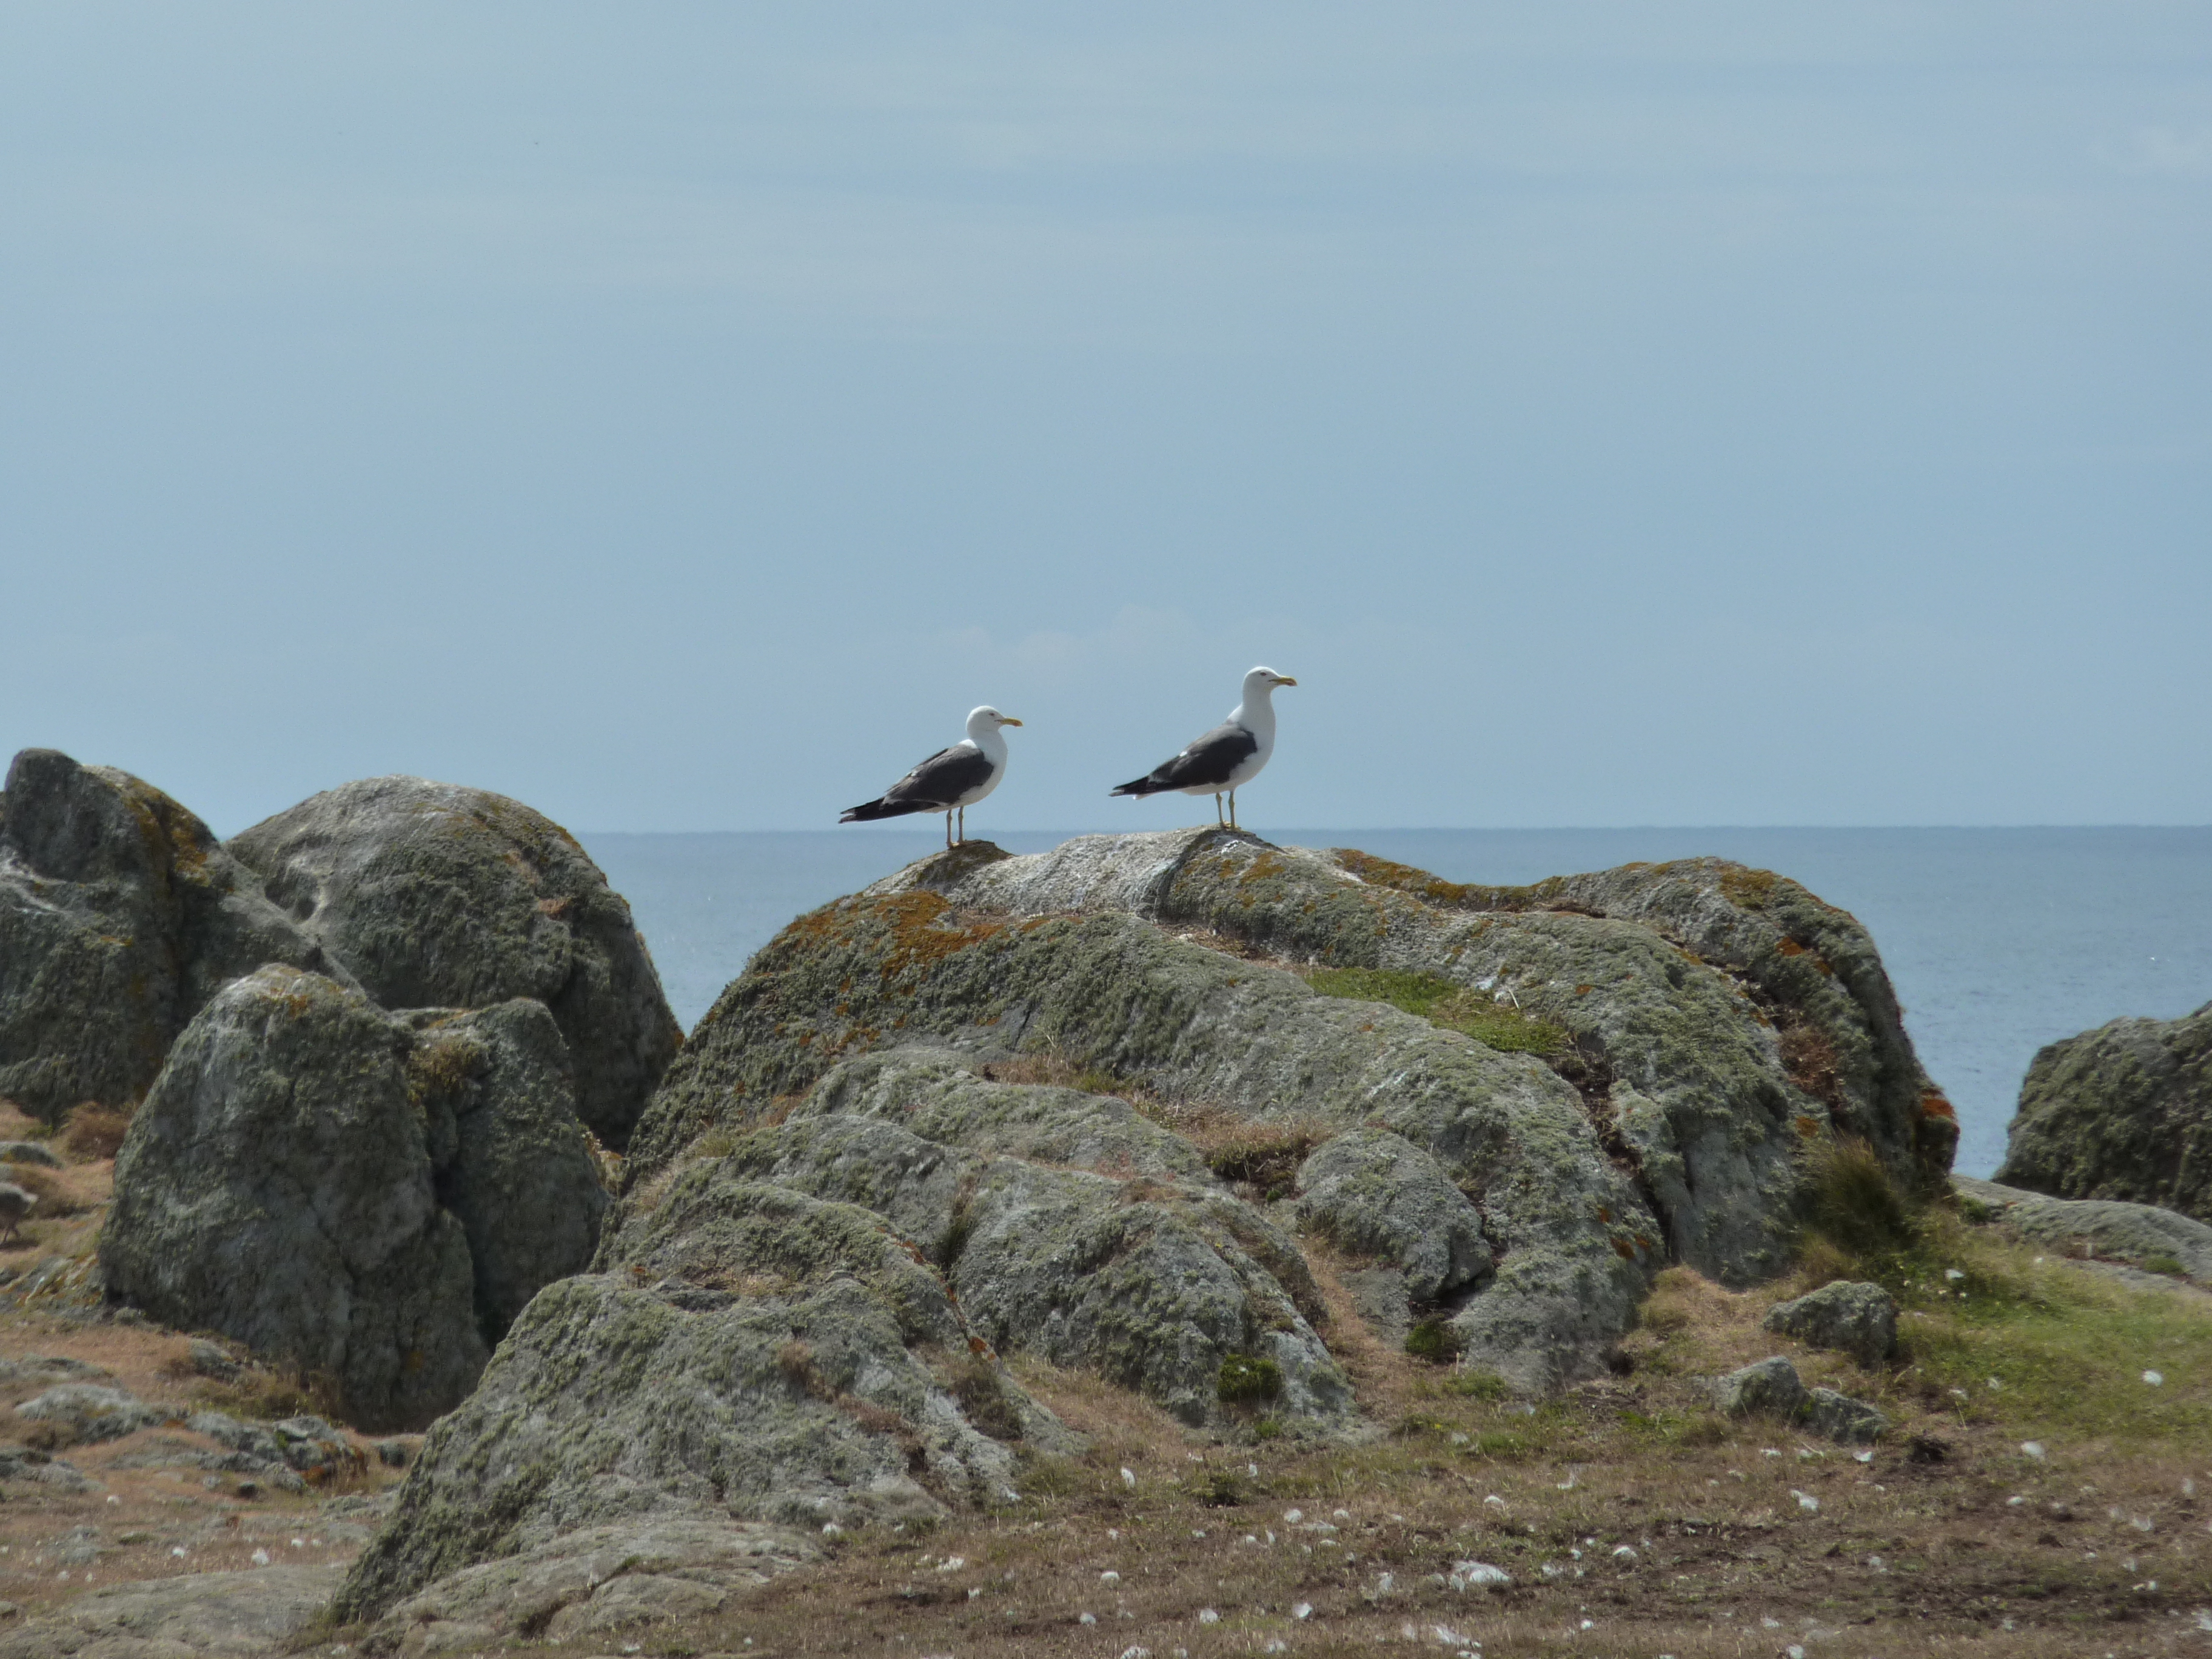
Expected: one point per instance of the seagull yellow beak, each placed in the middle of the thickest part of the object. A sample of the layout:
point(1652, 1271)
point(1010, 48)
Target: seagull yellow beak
point(1285, 679)
point(1008, 720)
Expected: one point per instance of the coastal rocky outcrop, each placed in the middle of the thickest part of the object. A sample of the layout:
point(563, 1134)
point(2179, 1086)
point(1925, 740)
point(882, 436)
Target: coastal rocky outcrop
point(369, 1195)
point(1657, 1046)
point(434, 896)
point(1771, 1387)
point(2121, 1113)
point(120, 915)
point(747, 1364)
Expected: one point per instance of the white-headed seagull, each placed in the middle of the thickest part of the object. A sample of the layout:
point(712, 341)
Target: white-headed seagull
point(1230, 754)
point(951, 781)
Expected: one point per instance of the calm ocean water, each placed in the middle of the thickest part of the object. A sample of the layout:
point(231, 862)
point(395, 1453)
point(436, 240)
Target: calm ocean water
point(1998, 940)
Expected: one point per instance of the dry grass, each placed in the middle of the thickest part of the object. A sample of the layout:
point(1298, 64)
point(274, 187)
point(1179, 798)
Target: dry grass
point(92, 1132)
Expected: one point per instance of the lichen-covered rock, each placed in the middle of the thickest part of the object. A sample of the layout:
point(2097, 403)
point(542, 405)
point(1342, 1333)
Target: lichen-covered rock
point(288, 1184)
point(2142, 1235)
point(1103, 1244)
point(1574, 1243)
point(120, 914)
point(598, 1581)
point(1375, 1194)
point(2121, 1113)
point(435, 896)
point(1771, 1387)
point(1859, 1320)
point(86, 1413)
point(750, 1355)
point(194, 1615)
point(1720, 1017)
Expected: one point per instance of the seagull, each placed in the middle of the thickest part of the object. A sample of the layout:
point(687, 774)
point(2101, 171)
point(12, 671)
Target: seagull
point(1230, 754)
point(951, 781)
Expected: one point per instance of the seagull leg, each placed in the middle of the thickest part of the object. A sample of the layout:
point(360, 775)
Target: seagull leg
point(1232, 809)
point(963, 826)
point(948, 830)
point(1218, 818)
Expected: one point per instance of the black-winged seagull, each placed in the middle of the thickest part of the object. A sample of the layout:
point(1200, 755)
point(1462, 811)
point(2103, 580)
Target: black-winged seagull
point(951, 781)
point(1230, 754)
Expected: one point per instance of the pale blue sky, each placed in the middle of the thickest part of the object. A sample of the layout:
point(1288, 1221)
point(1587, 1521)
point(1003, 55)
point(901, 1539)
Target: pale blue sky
point(679, 416)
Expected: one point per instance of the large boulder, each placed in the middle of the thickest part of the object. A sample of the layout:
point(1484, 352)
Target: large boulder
point(120, 915)
point(746, 1355)
point(1856, 1319)
point(993, 972)
point(1717, 1018)
point(365, 1196)
point(434, 896)
point(2121, 1113)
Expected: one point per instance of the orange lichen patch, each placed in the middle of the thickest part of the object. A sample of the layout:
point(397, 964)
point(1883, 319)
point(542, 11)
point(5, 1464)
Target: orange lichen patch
point(1583, 990)
point(1791, 947)
point(1459, 895)
point(1745, 888)
point(553, 906)
point(1626, 1250)
point(1933, 1104)
point(1604, 1214)
point(1808, 1126)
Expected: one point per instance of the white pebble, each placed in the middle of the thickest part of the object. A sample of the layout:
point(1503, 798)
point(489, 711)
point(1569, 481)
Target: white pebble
point(1863, 1457)
point(2014, 1501)
point(2033, 1448)
point(1109, 1577)
point(1806, 1501)
point(1136, 1653)
point(1479, 1575)
point(1341, 1515)
point(1252, 1469)
point(1274, 1644)
point(1208, 1616)
point(1495, 1498)
point(1129, 1479)
point(1086, 1618)
point(1624, 1553)
point(953, 1563)
point(178, 1552)
point(830, 1529)
point(1953, 1274)
point(974, 1591)
point(2154, 1377)
point(1591, 1624)
point(1795, 1650)
point(1294, 1516)
point(261, 1558)
point(1304, 1610)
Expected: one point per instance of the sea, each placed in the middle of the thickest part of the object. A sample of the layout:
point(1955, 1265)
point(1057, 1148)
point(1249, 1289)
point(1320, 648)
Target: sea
point(1999, 941)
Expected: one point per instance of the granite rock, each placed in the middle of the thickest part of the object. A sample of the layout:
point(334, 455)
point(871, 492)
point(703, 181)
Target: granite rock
point(1859, 1320)
point(120, 915)
point(435, 896)
point(2121, 1113)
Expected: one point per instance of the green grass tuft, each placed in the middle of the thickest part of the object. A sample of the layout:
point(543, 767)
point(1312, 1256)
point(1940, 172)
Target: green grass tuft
point(1440, 1002)
point(1246, 1380)
point(1432, 1341)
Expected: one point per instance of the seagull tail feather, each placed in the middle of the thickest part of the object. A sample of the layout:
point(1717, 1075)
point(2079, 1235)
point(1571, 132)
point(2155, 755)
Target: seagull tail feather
point(1140, 786)
point(868, 811)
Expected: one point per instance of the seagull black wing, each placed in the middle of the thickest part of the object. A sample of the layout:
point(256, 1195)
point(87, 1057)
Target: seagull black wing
point(1205, 764)
point(935, 786)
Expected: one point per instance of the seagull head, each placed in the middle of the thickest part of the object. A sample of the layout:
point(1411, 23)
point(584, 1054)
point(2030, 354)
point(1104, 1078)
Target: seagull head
point(1265, 680)
point(987, 719)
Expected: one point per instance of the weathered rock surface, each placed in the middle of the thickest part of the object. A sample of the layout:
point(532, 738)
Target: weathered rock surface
point(1372, 1193)
point(200, 1615)
point(1068, 1225)
point(1771, 1387)
point(2141, 1235)
point(1573, 1240)
point(746, 1354)
point(363, 1194)
point(86, 1413)
point(598, 1582)
point(29, 1152)
point(2124, 1113)
point(435, 896)
point(1721, 1017)
point(1859, 1320)
point(120, 914)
